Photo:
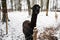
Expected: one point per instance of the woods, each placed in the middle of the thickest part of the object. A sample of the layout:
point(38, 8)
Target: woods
point(21, 16)
point(17, 5)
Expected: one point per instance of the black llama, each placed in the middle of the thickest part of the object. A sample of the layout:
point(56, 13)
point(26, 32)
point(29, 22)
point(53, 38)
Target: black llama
point(29, 26)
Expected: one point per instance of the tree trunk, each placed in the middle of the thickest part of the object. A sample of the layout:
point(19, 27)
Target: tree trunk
point(0, 14)
point(0, 11)
point(20, 6)
point(5, 15)
point(29, 8)
point(11, 4)
point(4, 10)
point(41, 5)
point(47, 7)
point(56, 16)
point(15, 5)
point(33, 2)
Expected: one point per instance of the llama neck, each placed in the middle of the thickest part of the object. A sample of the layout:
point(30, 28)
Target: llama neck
point(33, 20)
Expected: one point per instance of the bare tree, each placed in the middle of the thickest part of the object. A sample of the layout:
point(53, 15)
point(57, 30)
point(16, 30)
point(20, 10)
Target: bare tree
point(4, 10)
point(0, 10)
point(15, 4)
point(41, 5)
point(47, 6)
point(29, 7)
point(11, 4)
point(33, 2)
point(19, 6)
point(0, 14)
point(5, 15)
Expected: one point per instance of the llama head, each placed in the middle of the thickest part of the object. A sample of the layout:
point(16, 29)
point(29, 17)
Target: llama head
point(36, 8)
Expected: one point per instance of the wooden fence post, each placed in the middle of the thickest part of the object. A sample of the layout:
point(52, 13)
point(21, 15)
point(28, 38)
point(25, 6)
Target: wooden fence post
point(6, 23)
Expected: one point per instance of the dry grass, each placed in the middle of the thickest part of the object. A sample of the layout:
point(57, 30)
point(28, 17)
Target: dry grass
point(48, 34)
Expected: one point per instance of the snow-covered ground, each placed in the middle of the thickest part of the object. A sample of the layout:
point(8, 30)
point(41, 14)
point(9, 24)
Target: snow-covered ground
point(17, 18)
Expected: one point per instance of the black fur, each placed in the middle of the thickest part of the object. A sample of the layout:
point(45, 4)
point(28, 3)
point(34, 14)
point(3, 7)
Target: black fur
point(29, 26)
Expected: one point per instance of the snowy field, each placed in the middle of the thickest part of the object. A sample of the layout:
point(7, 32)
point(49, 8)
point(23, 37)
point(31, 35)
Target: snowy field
point(17, 18)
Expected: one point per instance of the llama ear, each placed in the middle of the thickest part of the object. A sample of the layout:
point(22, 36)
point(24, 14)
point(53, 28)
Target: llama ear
point(31, 8)
point(39, 6)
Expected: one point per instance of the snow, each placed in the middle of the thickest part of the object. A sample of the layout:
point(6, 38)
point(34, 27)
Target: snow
point(17, 18)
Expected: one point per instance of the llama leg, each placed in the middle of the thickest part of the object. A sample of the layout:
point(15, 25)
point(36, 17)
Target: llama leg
point(28, 37)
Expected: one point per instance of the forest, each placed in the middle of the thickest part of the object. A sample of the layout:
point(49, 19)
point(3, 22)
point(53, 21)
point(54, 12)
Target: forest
point(29, 19)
